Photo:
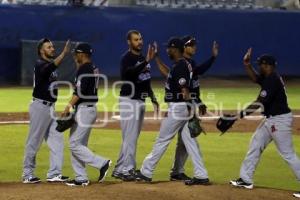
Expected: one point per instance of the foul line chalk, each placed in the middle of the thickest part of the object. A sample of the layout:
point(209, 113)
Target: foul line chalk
point(117, 118)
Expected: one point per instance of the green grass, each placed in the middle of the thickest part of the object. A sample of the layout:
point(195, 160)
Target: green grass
point(222, 155)
point(18, 99)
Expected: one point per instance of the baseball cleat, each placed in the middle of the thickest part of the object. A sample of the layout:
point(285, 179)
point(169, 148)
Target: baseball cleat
point(179, 177)
point(31, 180)
point(296, 194)
point(130, 176)
point(197, 181)
point(74, 183)
point(59, 178)
point(117, 175)
point(103, 171)
point(141, 177)
point(241, 183)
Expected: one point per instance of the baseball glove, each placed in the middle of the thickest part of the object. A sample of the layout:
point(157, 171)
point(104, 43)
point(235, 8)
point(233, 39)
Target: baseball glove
point(195, 127)
point(65, 122)
point(225, 122)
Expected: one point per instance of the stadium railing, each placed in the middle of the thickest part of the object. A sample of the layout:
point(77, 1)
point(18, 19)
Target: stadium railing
point(96, 3)
point(228, 4)
point(204, 4)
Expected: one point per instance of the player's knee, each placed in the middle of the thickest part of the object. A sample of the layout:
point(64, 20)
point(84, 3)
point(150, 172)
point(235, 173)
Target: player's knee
point(256, 150)
point(74, 146)
point(288, 156)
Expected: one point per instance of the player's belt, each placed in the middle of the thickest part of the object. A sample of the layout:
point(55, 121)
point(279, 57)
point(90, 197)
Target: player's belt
point(84, 106)
point(88, 106)
point(47, 103)
point(269, 116)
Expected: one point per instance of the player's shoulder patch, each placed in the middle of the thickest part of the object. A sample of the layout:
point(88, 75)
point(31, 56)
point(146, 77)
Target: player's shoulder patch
point(148, 66)
point(263, 93)
point(182, 81)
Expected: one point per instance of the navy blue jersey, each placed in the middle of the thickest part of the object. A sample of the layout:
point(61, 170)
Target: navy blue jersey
point(44, 75)
point(86, 84)
point(136, 70)
point(272, 95)
point(179, 77)
point(197, 71)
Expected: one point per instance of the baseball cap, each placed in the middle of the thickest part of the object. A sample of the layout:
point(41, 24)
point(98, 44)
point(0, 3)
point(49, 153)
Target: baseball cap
point(41, 42)
point(266, 59)
point(189, 40)
point(83, 47)
point(175, 42)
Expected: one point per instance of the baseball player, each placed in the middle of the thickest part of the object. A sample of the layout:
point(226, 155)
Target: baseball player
point(177, 172)
point(177, 94)
point(135, 72)
point(42, 125)
point(84, 103)
point(277, 125)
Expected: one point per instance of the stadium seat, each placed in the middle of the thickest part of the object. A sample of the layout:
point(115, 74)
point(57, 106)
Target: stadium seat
point(48, 2)
point(20, 2)
point(163, 4)
point(191, 4)
point(33, 2)
point(215, 4)
point(228, 4)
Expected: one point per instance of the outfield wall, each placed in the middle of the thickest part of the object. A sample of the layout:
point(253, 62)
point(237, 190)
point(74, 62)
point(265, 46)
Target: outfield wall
point(276, 32)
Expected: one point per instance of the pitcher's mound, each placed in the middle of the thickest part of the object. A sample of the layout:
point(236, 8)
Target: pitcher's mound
point(136, 191)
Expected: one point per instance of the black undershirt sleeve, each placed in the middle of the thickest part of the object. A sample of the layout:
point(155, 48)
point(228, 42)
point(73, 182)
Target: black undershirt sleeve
point(202, 68)
point(129, 69)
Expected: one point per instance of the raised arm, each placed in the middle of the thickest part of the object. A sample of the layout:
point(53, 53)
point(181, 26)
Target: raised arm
point(48, 68)
point(202, 68)
point(248, 66)
point(57, 61)
point(140, 67)
point(163, 68)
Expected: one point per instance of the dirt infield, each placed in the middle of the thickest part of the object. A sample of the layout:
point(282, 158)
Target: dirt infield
point(136, 191)
point(209, 125)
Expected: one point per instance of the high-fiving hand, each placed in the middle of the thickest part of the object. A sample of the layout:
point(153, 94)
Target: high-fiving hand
point(67, 47)
point(156, 50)
point(215, 49)
point(150, 53)
point(247, 57)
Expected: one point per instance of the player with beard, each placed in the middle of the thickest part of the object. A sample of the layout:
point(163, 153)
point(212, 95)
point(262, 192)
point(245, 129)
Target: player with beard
point(42, 125)
point(136, 77)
